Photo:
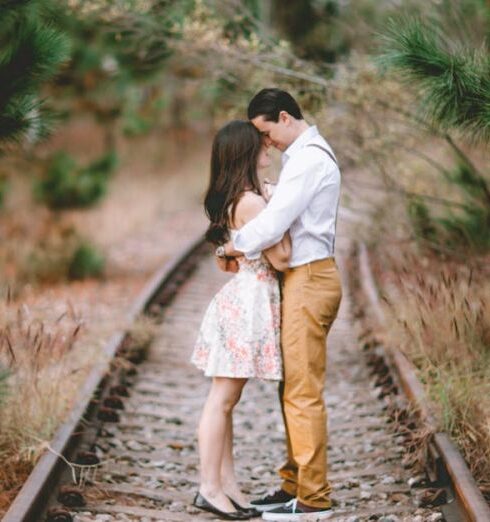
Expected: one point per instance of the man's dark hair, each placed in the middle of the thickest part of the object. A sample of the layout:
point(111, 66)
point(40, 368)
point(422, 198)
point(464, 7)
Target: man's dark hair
point(270, 102)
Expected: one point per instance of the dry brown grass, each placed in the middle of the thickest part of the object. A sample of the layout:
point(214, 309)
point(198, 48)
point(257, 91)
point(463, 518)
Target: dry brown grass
point(42, 375)
point(440, 317)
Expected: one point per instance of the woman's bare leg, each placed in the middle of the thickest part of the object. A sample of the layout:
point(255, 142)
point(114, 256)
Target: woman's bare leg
point(223, 395)
point(228, 477)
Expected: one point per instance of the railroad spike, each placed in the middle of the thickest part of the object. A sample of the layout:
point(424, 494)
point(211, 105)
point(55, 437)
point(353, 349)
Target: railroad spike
point(59, 515)
point(108, 414)
point(71, 496)
point(114, 401)
point(87, 458)
point(120, 390)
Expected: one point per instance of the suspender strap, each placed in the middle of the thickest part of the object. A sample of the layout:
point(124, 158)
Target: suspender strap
point(324, 150)
point(335, 161)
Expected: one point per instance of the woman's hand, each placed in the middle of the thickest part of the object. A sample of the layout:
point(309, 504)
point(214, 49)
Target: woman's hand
point(268, 187)
point(227, 264)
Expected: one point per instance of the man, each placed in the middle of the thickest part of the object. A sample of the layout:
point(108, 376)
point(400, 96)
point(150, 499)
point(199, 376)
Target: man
point(304, 202)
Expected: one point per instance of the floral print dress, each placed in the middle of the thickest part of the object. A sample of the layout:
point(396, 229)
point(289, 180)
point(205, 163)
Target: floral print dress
point(240, 332)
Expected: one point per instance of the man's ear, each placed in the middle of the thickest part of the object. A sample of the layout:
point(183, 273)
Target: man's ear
point(284, 117)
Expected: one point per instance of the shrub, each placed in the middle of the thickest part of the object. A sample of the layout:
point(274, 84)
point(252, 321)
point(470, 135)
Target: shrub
point(67, 185)
point(86, 262)
point(60, 256)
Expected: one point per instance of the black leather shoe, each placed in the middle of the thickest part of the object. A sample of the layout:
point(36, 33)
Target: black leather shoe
point(273, 501)
point(201, 503)
point(250, 511)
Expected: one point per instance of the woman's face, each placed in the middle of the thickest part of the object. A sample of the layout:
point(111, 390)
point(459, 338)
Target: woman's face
point(263, 160)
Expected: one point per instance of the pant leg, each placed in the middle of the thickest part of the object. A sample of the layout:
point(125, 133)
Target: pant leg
point(289, 471)
point(311, 299)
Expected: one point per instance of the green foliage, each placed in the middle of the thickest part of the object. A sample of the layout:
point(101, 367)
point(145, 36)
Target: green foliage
point(451, 76)
point(466, 229)
point(120, 43)
point(453, 79)
point(31, 52)
point(3, 189)
point(313, 28)
point(67, 185)
point(86, 262)
point(142, 111)
point(4, 374)
point(421, 220)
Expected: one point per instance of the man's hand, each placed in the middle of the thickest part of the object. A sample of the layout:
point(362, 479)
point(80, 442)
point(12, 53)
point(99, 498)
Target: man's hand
point(227, 264)
point(230, 250)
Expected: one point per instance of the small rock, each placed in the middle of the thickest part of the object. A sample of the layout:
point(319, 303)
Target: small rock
point(176, 445)
point(177, 506)
point(388, 480)
point(157, 463)
point(435, 517)
point(134, 445)
point(351, 483)
point(416, 481)
point(174, 420)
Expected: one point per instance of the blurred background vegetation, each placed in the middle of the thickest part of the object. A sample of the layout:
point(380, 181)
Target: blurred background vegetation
point(401, 89)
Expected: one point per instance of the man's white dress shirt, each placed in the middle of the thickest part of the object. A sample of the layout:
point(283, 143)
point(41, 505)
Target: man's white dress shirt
point(304, 202)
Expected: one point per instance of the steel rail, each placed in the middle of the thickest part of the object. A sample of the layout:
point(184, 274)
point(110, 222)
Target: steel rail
point(469, 497)
point(34, 495)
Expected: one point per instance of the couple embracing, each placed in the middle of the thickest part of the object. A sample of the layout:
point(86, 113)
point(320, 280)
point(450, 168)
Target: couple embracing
point(256, 328)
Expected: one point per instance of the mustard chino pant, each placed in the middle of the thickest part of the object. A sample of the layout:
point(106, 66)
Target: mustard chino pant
point(311, 299)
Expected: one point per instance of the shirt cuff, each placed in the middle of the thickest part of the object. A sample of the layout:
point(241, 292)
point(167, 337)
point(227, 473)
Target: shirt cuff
point(249, 255)
point(254, 255)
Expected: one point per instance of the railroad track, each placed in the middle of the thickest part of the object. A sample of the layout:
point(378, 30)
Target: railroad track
point(135, 450)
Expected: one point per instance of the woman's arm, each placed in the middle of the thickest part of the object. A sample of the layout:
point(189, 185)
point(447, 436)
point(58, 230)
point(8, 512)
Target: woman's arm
point(279, 254)
point(249, 206)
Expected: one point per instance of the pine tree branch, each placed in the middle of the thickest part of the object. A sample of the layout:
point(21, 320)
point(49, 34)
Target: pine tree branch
point(453, 82)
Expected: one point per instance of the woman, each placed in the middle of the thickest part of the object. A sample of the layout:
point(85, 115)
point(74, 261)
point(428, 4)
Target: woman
point(239, 335)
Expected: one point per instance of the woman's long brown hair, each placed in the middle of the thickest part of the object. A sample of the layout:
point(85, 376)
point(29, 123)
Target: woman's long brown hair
point(234, 158)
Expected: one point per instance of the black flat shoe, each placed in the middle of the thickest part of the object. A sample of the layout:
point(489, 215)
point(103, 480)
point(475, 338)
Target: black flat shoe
point(250, 511)
point(201, 503)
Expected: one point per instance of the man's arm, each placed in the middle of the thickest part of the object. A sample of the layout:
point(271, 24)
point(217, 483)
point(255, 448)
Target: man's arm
point(292, 195)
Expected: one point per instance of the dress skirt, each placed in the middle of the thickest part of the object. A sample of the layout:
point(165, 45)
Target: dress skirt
point(240, 332)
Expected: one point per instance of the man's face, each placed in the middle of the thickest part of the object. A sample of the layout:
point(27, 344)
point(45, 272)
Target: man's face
point(274, 133)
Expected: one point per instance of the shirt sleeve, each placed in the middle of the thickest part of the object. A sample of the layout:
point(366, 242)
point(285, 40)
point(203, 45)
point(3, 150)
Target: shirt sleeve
point(297, 186)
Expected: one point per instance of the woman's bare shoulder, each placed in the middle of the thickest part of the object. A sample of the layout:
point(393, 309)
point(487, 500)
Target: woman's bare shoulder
point(248, 207)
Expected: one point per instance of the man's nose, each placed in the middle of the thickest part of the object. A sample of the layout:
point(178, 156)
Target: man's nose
point(267, 141)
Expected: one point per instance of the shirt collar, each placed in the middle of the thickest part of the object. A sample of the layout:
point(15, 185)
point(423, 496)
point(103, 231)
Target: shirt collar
point(306, 136)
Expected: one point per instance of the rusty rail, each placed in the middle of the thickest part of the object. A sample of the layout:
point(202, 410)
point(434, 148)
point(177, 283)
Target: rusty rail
point(469, 497)
point(34, 495)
